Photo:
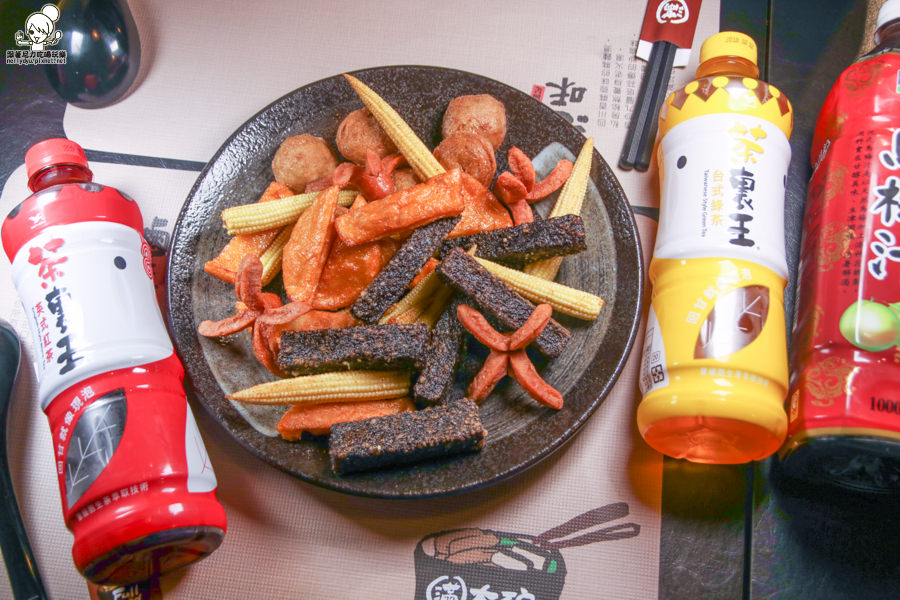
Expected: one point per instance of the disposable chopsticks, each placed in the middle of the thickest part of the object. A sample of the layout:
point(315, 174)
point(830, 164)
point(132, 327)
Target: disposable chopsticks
point(642, 128)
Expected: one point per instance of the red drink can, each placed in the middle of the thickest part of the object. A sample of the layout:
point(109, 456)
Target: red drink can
point(137, 487)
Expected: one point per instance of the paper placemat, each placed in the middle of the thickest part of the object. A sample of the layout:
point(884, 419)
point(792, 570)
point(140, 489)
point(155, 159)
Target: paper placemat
point(209, 66)
point(286, 536)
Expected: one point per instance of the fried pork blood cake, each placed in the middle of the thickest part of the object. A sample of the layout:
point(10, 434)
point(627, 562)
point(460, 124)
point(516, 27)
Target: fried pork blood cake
point(526, 243)
point(389, 346)
point(497, 300)
point(407, 437)
point(393, 280)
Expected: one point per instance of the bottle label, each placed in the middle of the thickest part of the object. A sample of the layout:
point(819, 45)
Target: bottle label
point(846, 339)
point(654, 373)
point(715, 323)
point(90, 300)
point(723, 181)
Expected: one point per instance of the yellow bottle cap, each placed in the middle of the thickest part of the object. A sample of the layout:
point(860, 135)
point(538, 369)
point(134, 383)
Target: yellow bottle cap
point(728, 43)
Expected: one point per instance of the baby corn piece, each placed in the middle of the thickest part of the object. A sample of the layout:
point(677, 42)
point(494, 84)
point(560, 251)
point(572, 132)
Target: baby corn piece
point(261, 216)
point(344, 386)
point(571, 196)
point(271, 257)
point(565, 299)
point(436, 305)
point(569, 202)
point(420, 293)
point(416, 152)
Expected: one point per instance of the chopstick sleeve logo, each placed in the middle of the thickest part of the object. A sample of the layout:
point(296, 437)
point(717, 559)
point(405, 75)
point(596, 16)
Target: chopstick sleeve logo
point(673, 12)
point(40, 32)
point(672, 21)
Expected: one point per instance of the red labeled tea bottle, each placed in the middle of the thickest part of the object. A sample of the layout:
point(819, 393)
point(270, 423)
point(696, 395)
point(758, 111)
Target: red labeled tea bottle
point(844, 400)
point(138, 491)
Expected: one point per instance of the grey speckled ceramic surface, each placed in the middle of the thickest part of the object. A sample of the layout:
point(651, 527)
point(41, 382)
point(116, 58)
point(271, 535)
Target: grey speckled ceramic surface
point(520, 433)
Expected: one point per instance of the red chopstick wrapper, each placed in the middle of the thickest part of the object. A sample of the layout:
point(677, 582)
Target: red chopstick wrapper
point(666, 37)
point(672, 21)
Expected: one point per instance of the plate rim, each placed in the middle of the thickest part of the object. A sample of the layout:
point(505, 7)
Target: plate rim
point(225, 414)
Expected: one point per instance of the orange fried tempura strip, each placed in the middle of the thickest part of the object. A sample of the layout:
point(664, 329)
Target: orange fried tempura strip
point(306, 252)
point(347, 271)
point(225, 265)
point(439, 197)
point(483, 211)
point(317, 419)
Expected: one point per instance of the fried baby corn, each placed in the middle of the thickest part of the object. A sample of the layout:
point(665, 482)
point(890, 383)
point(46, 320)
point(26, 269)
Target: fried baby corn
point(346, 386)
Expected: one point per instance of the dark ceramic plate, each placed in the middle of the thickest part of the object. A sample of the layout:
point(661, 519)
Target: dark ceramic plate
point(520, 433)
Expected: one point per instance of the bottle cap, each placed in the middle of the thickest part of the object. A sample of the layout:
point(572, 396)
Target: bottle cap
point(728, 43)
point(55, 151)
point(889, 11)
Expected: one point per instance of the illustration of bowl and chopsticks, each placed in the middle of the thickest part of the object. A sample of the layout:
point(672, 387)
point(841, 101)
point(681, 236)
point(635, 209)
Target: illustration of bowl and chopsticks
point(455, 564)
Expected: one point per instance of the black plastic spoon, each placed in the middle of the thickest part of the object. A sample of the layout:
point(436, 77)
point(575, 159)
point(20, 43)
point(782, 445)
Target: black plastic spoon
point(21, 567)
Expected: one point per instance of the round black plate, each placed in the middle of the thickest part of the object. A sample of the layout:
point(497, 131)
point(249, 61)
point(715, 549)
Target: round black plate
point(520, 433)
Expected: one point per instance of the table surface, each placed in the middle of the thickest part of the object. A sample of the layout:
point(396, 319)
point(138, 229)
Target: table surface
point(727, 531)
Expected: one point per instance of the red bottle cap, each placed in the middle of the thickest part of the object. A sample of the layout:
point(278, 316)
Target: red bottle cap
point(55, 151)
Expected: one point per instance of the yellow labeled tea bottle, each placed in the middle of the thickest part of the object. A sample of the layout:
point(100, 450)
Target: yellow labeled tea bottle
point(714, 369)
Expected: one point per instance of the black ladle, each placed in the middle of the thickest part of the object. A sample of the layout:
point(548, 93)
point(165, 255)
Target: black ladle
point(24, 576)
point(103, 52)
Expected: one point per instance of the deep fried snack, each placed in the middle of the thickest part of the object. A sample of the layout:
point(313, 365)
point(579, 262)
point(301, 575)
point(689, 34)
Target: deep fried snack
point(475, 323)
point(522, 244)
point(407, 437)
point(513, 192)
point(490, 374)
point(408, 143)
point(483, 211)
point(320, 319)
point(318, 419)
point(374, 180)
point(323, 388)
point(347, 271)
point(471, 153)
point(445, 346)
point(401, 212)
point(360, 133)
point(404, 178)
point(567, 300)
point(508, 356)
point(371, 347)
point(496, 299)
point(301, 159)
point(393, 280)
point(481, 114)
point(225, 265)
point(523, 371)
point(307, 250)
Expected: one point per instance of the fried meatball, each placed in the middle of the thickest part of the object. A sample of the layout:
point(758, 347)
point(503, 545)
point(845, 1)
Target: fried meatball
point(359, 132)
point(404, 179)
point(471, 153)
point(481, 114)
point(301, 159)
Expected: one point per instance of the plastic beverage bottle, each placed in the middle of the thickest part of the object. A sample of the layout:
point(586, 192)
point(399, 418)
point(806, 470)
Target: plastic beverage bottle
point(138, 492)
point(714, 366)
point(844, 404)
